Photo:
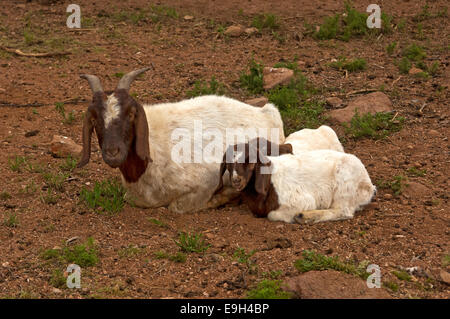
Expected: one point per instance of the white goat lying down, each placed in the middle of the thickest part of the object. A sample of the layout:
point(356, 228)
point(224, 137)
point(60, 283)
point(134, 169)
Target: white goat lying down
point(307, 187)
point(323, 138)
point(138, 139)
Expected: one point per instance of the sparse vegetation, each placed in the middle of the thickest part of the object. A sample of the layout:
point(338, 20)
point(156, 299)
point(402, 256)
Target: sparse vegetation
point(416, 172)
point(315, 261)
point(352, 66)
point(391, 285)
point(351, 23)
point(157, 222)
point(130, 251)
point(402, 275)
point(375, 126)
point(268, 289)
point(391, 47)
point(57, 279)
point(69, 164)
point(5, 195)
point(207, 88)
point(266, 21)
point(55, 181)
point(396, 185)
point(84, 255)
point(179, 257)
point(445, 261)
point(241, 256)
point(191, 242)
point(253, 81)
point(67, 118)
point(106, 196)
point(11, 220)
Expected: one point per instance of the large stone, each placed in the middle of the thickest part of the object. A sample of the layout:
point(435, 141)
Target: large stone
point(62, 146)
point(416, 190)
point(259, 101)
point(331, 284)
point(370, 103)
point(414, 71)
point(444, 276)
point(234, 31)
point(251, 31)
point(334, 102)
point(276, 76)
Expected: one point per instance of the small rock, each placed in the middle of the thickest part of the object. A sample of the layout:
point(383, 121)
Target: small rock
point(72, 239)
point(2, 90)
point(31, 133)
point(387, 196)
point(251, 31)
point(5, 264)
point(369, 103)
point(433, 133)
point(209, 235)
point(62, 146)
point(444, 276)
point(234, 31)
point(259, 101)
point(56, 291)
point(276, 76)
point(331, 284)
point(215, 257)
point(414, 71)
point(187, 17)
point(334, 102)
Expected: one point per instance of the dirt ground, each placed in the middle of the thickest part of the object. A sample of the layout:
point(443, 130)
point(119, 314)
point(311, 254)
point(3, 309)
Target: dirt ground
point(408, 230)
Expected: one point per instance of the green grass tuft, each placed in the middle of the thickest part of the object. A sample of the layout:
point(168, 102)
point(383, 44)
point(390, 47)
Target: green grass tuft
point(268, 289)
point(396, 185)
point(266, 21)
point(207, 88)
point(391, 47)
point(191, 242)
point(402, 275)
point(375, 126)
point(391, 285)
point(351, 66)
point(414, 53)
point(350, 24)
point(83, 255)
point(11, 220)
point(315, 261)
point(241, 256)
point(253, 81)
point(106, 196)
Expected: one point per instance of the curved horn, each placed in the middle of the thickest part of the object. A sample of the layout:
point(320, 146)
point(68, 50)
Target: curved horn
point(94, 82)
point(128, 78)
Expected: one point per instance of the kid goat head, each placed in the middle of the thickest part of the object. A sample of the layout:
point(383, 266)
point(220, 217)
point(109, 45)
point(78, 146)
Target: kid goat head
point(121, 126)
point(243, 161)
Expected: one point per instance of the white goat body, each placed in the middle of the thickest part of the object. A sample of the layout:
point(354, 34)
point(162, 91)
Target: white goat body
point(319, 186)
point(321, 138)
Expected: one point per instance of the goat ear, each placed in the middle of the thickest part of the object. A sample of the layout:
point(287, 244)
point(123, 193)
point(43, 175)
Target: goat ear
point(222, 169)
point(87, 132)
point(262, 181)
point(285, 149)
point(141, 134)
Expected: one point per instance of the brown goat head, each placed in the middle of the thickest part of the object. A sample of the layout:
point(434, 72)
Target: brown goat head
point(248, 156)
point(121, 127)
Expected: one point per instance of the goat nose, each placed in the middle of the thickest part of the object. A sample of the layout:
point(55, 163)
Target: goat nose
point(112, 151)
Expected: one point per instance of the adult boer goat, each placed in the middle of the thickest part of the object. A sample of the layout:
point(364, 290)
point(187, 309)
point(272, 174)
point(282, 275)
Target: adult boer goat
point(138, 139)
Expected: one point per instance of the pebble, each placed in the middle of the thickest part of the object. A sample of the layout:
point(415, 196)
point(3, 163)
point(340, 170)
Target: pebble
point(387, 196)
